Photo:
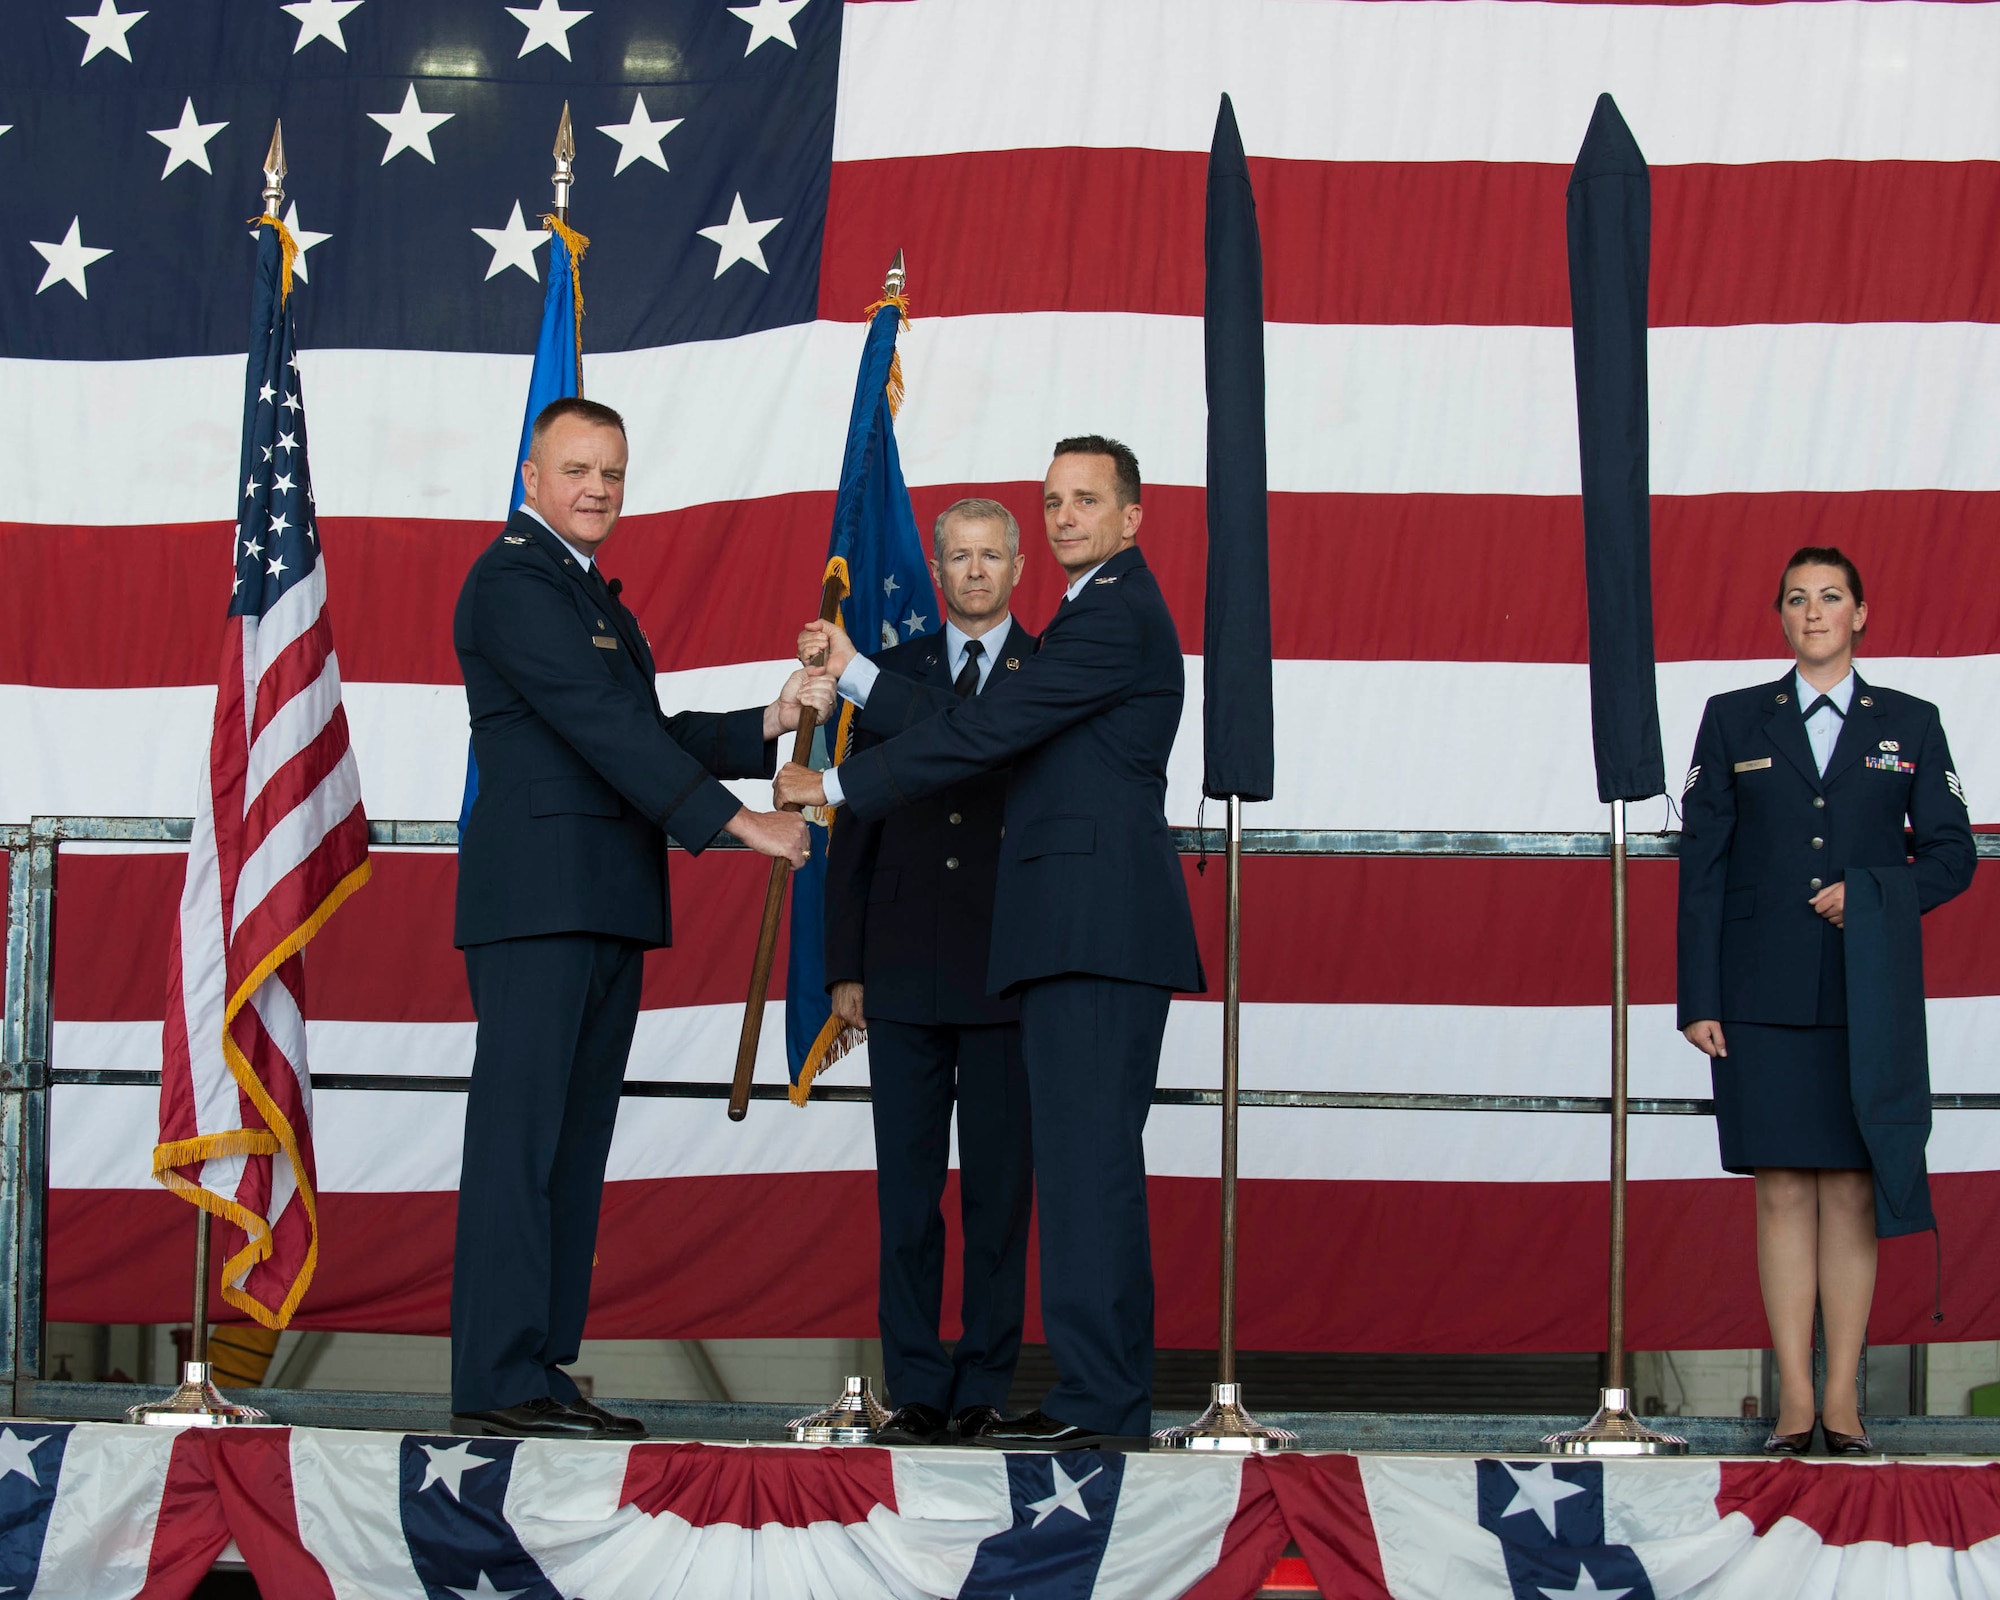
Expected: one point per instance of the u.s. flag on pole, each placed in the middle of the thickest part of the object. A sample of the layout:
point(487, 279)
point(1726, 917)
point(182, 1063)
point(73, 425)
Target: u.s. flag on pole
point(280, 840)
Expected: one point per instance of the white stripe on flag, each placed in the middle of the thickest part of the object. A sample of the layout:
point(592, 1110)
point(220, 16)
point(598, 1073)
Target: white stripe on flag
point(297, 835)
point(1446, 409)
point(1410, 733)
point(1355, 80)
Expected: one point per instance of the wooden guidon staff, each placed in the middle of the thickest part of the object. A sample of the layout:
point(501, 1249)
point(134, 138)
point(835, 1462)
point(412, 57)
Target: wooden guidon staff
point(832, 592)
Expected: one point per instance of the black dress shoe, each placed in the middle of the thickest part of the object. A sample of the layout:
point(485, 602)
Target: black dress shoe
point(971, 1421)
point(614, 1426)
point(1040, 1431)
point(1849, 1444)
point(540, 1418)
point(1790, 1444)
point(914, 1423)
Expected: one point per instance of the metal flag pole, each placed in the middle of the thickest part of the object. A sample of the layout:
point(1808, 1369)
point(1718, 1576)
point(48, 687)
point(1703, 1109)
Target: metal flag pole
point(831, 594)
point(197, 1403)
point(1225, 1425)
point(1615, 1430)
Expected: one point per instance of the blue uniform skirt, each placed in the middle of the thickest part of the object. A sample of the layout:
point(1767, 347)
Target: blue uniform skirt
point(1782, 1099)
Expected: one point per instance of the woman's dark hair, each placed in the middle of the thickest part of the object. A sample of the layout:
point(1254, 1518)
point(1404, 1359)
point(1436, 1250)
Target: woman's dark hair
point(1822, 555)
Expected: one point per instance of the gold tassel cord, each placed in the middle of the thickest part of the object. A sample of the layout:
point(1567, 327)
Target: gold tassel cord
point(576, 244)
point(289, 249)
point(894, 387)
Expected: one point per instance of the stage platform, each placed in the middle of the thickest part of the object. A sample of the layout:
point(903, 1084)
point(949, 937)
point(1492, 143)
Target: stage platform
point(94, 1509)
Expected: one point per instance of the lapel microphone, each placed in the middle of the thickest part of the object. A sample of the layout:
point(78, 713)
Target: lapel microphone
point(615, 585)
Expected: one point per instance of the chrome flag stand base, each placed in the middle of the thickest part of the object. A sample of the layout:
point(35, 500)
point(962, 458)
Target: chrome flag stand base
point(1614, 1431)
point(1226, 1426)
point(197, 1403)
point(852, 1419)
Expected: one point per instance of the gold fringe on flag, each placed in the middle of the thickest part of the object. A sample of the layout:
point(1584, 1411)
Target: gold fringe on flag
point(289, 248)
point(894, 387)
point(576, 244)
point(277, 1136)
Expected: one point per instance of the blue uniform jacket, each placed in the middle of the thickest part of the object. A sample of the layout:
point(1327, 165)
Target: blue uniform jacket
point(1763, 831)
point(1089, 881)
point(909, 896)
point(581, 775)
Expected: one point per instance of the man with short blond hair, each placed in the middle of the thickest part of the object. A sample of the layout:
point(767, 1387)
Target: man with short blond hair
point(909, 917)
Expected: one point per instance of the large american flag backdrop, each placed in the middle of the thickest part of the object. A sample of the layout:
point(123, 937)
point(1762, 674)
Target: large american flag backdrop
point(1825, 367)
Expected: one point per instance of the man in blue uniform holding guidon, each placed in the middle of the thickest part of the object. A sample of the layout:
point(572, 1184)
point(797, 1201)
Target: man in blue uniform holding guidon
point(1091, 929)
point(909, 919)
point(562, 884)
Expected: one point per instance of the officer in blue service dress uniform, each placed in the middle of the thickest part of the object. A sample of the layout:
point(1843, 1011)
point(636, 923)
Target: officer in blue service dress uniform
point(1091, 927)
point(909, 924)
point(1800, 970)
point(562, 884)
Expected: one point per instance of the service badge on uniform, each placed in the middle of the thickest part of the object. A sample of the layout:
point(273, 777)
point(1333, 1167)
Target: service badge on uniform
point(1951, 782)
point(513, 538)
point(1888, 744)
point(1013, 664)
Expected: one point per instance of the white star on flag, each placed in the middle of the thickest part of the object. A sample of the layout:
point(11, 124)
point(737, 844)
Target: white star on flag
point(6, 127)
point(282, 484)
point(889, 584)
point(288, 441)
point(410, 127)
point(915, 623)
point(304, 238)
point(17, 1455)
point(514, 245)
point(1068, 1495)
point(320, 19)
point(277, 565)
point(266, 394)
point(447, 1466)
point(639, 139)
point(548, 24)
point(290, 403)
point(107, 30)
point(252, 549)
point(68, 259)
point(1539, 1490)
point(484, 1590)
point(770, 19)
point(280, 523)
point(250, 489)
point(187, 144)
point(740, 239)
point(1585, 1585)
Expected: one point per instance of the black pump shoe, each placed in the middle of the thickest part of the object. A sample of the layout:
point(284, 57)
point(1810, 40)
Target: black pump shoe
point(1849, 1444)
point(1791, 1444)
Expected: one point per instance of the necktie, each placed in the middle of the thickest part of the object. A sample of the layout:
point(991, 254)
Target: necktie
point(1826, 701)
point(966, 684)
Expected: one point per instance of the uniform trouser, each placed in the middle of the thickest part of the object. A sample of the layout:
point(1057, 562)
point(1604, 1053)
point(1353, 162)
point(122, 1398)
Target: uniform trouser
point(915, 1073)
point(556, 1015)
point(1092, 1047)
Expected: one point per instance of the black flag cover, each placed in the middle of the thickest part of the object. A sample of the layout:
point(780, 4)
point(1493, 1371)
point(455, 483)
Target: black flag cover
point(1236, 630)
point(1610, 242)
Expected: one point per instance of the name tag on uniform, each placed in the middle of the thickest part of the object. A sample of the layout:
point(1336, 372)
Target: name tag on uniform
point(604, 641)
point(1752, 766)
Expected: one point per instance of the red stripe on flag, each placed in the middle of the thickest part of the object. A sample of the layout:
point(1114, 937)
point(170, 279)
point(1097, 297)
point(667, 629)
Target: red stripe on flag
point(1326, 1506)
point(1251, 1544)
point(704, 1485)
point(1326, 1266)
point(1428, 940)
point(252, 1472)
point(1354, 577)
point(192, 1530)
point(1358, 241)
point(1949, 1507)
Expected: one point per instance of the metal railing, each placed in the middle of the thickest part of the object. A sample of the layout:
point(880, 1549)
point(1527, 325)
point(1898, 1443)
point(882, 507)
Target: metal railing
point(27, 1072)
